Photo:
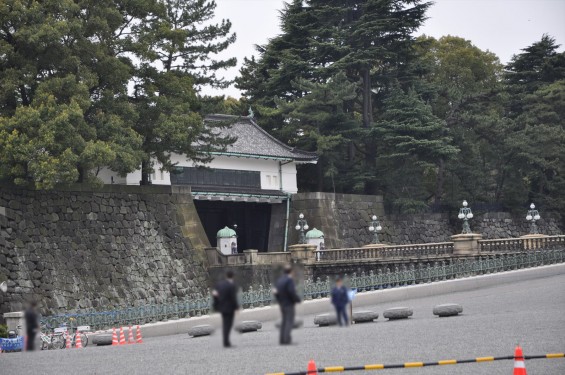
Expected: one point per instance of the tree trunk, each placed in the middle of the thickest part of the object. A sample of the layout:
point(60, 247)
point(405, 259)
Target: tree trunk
point(145, 170)
point(371, 165)
point(367, 102)
point(81, 174)
point(439, 182)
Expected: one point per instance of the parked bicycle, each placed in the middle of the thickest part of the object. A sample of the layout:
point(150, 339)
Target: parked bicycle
point(51, 341)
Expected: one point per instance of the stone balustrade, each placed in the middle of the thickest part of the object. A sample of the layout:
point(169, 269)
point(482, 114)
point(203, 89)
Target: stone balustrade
point(522, 244)
point(249, 257)
point(307, 255)
point(385, 252)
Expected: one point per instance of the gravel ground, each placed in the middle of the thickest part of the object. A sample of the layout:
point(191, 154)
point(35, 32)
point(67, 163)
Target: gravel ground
point(494, 320)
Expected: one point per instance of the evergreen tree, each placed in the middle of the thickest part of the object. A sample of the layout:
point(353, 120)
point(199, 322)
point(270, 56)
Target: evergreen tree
point(317, 122)
point(412, 143)
point(66, 66)
point(367, 40)
point(63, 106)
point(177, 57)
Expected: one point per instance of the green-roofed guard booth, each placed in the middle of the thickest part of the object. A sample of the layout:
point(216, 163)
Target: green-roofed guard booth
point(315, 237)
point(227, 241)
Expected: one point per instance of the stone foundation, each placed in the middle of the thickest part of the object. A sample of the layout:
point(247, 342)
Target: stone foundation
point(80, 249)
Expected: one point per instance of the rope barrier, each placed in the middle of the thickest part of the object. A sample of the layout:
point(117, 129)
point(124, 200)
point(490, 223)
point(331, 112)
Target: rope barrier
point(379, 366)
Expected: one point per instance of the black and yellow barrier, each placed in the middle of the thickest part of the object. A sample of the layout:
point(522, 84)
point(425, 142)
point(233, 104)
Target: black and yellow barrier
point(379, 366)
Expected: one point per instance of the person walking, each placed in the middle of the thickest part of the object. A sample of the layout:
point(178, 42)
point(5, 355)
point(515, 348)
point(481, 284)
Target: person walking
point(225, 302)
point(285, 293)
point(340, 300)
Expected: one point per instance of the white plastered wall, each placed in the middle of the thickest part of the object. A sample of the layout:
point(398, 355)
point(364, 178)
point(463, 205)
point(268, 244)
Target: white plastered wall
point(271, 175)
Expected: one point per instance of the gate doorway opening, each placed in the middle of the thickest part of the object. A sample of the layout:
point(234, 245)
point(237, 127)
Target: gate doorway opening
point(253, 221)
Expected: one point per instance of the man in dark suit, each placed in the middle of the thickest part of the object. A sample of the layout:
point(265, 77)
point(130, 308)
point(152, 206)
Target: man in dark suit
point(340, 300)
point(287, 297)
point(32, 325)
point(225, 302)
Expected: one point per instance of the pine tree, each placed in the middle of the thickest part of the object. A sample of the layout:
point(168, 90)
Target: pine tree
point(64, 111)
point(66, 73)
point(177, 59)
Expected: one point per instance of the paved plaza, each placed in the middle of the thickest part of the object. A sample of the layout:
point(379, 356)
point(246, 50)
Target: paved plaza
point(495, 319)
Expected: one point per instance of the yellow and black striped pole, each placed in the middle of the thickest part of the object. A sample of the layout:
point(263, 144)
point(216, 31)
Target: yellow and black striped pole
point(380, 366)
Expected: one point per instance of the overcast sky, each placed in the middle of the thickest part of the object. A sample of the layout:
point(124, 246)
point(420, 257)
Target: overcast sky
point(500, 26)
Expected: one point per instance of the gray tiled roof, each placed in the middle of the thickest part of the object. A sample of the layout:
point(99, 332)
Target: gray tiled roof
point(251, 139)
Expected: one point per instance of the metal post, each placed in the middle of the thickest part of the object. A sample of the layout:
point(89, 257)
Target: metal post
point(533, 216)
point(375, 227)
point(301, 225)
point(465, 214)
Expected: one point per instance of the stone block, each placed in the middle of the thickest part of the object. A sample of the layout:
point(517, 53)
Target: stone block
point(365, 316)
point(248, 326)
point(324, 320)
point(201, 330)
point(448, 309)
point(398, 313)
point(101, 339)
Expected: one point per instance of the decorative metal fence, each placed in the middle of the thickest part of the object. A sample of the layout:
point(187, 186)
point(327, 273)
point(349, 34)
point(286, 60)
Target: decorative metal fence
point(437, 271)
point(399, 251)
point(262, 296)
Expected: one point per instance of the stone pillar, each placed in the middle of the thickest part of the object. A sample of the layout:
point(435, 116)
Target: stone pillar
point(466, 244)
point(15, 319)
point(531, 240)
point(303, 254)
point(250, 256)
point(214, 256)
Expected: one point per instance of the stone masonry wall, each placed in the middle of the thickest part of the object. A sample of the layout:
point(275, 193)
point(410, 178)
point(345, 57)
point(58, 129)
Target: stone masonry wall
point(340, 216)
point(344, 219)
point(120, 246)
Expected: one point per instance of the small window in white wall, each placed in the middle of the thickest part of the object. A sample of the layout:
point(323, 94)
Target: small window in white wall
point(268, 180)
point(275, 183)
point(153, 176)
point(162, 175)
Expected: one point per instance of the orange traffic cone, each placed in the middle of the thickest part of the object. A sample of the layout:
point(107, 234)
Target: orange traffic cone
point(68, 339)
point(138, 339)
point(114, 337)
point(130, 336)
point(78, 340)
point(122, 336)
point(519, 364)
point(311, 369)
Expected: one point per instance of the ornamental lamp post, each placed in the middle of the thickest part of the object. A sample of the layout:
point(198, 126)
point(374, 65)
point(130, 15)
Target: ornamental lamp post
point(532, 217)
point(375, 227)
point(465, 214)
point(301, 225)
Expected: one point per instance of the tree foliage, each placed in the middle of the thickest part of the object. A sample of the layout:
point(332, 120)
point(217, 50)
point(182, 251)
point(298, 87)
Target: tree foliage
point(420, 120)
point(66, 72)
